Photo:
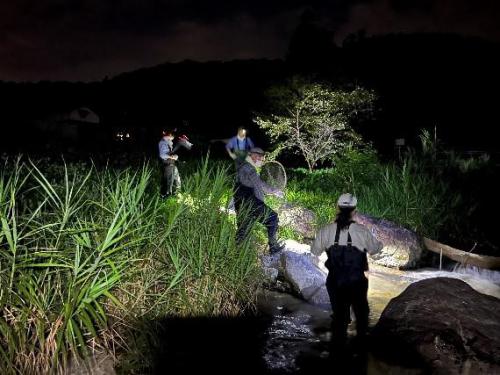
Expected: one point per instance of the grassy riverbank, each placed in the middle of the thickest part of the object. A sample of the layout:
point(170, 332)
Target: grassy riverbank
point(88, 255)
point(91, 259)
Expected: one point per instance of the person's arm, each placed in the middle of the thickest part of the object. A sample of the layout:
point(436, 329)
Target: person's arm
point(249, 177)
point(250, 143)
point(257, 183)
point(317, 246)
point(229, 146)
point(373, 246)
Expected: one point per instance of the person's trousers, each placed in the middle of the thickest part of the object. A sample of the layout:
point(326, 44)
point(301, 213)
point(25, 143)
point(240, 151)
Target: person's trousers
point(170, 179)
point(354, 294)
point(249, 211)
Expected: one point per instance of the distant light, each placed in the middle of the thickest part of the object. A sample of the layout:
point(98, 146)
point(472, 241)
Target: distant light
point(127, 135)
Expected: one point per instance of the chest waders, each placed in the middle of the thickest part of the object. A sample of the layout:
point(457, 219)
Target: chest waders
point(241, 153)
point(347, 286)
point(347, 263)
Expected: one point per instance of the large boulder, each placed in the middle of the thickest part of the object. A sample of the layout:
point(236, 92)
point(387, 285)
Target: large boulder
point(402, 247)
point(300, 219)
point(443, 321)
point(302, 270)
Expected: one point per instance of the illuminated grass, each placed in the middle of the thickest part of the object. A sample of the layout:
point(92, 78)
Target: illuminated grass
point(88, 255)
point(403, 193)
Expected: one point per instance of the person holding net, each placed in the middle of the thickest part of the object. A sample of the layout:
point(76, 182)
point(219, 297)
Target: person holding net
point(237, 148)
point(167, 152)
point(249, 204)
point(170, 179)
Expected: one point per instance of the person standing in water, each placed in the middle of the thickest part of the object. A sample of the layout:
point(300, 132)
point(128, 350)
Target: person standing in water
point(347, 244)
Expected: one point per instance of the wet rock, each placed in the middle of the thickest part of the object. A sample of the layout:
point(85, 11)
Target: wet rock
point(306, 278)
point(402, 247)
point(304, 272)
point(297, 247)
point(270, 261)
point(300, 219)
point(271, 274)
point(453, 328)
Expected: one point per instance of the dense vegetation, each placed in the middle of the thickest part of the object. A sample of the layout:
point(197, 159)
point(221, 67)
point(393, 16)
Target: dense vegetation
point(91, 259)
point(88, 256)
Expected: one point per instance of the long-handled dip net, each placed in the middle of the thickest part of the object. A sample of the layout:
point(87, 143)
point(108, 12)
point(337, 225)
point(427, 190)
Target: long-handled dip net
point(182, 141)
point(273, 173)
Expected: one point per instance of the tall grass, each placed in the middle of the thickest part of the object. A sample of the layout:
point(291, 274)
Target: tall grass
point(85, 256)
point(403, 193)
point(208, 273)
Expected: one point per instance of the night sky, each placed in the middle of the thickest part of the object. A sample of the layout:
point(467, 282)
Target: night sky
point(89, 39)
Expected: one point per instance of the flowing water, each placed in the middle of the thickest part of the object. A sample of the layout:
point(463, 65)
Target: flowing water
point(297, 340)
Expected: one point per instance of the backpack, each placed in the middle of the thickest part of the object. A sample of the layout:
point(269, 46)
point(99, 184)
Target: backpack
point(346, 262)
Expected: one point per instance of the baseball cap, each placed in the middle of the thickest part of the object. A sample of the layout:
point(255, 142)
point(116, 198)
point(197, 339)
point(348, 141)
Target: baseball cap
point(347, 200)
point(256, 150)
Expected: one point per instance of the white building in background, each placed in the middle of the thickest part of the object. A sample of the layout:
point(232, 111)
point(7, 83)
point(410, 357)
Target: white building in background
point(82, 114)
point(76, 123)
point(69, 128)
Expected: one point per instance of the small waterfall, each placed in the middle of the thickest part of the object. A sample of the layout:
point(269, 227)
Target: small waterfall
point(483, 280)
point(479, 273)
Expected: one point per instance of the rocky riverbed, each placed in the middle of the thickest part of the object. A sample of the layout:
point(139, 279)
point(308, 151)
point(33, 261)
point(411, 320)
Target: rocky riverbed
point(299, 334)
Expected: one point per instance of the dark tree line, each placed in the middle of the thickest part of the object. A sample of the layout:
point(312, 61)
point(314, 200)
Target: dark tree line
point(422, 81)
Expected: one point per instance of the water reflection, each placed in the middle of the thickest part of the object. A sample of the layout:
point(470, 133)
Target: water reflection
point(298, 338)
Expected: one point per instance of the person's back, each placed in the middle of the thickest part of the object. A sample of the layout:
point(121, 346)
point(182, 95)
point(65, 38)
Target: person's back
point(361, 237)
point(347, 244)
point(347, 255)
